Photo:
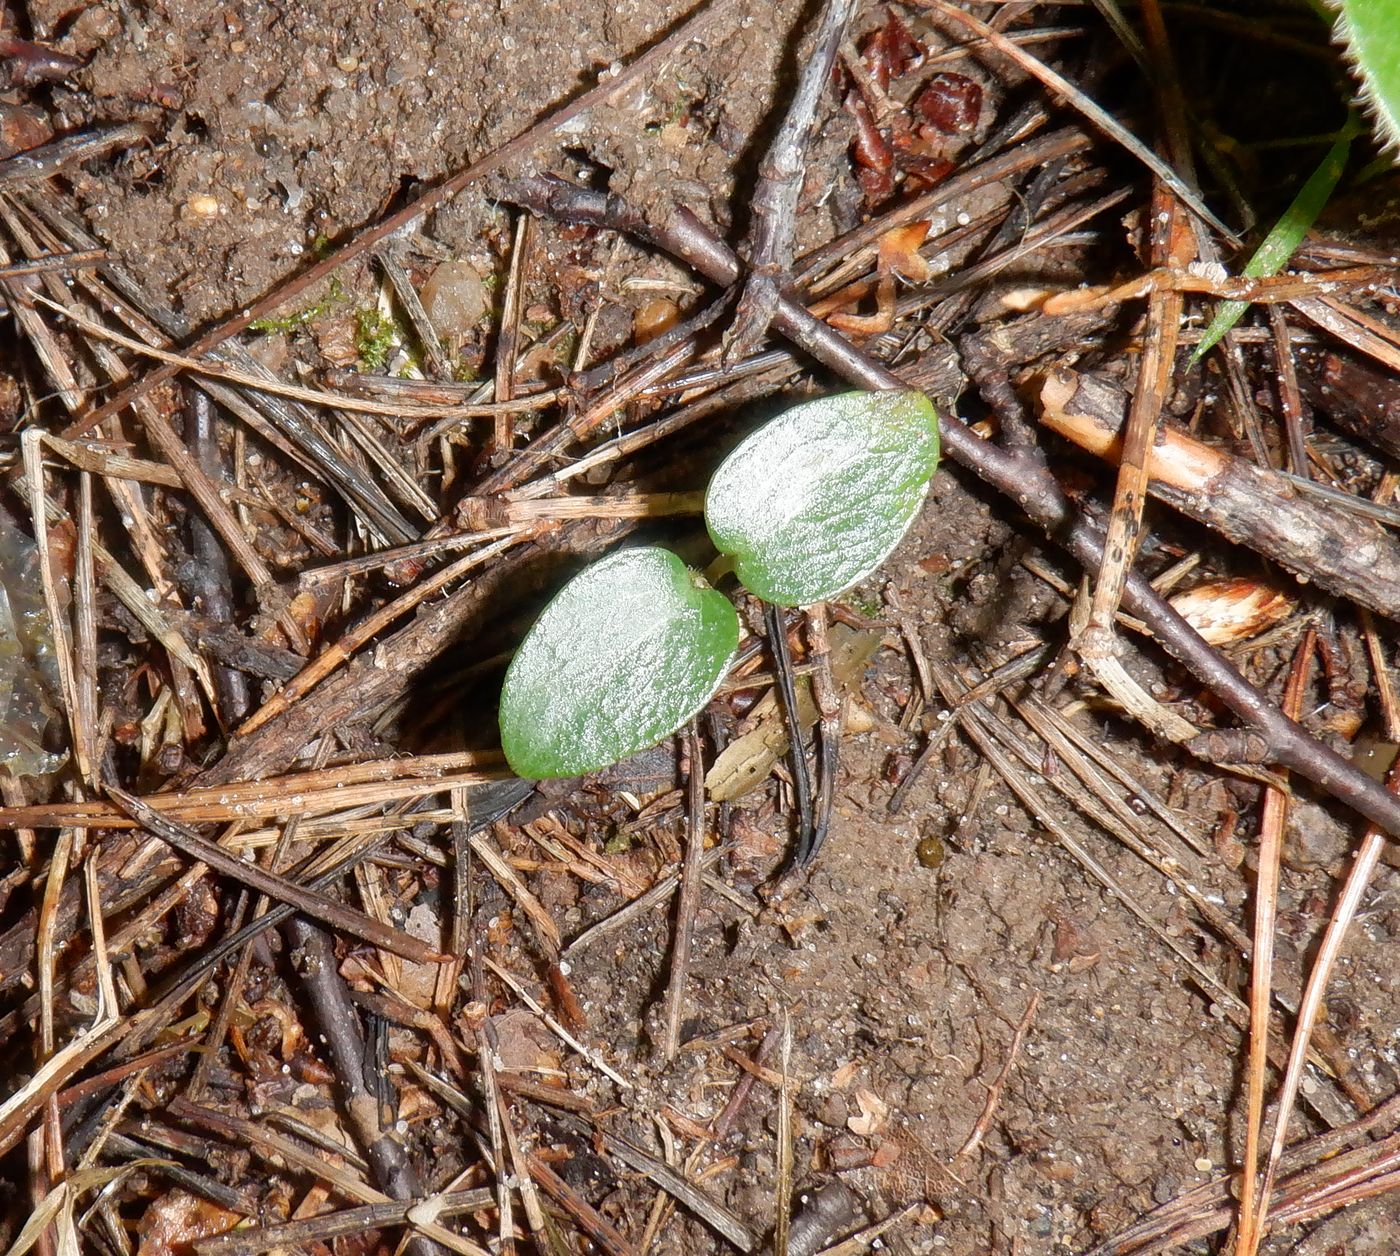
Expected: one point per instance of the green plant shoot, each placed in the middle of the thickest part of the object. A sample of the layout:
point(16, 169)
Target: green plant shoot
point(1280, 244)
point(633, 646)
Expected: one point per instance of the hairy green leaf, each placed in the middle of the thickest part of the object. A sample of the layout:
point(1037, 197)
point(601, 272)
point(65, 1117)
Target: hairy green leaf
point(626, 653)
point(818, 497)
point(1370, 29)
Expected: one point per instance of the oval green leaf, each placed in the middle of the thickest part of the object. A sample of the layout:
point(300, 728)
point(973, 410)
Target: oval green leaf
point(625, 654)
point(817, 498)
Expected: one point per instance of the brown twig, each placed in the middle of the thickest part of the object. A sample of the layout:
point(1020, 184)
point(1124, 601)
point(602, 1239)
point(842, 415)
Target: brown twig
point(1272, 821)
point(773, 205)
point(688, 903)
point(989, 1107)
point(1173, 245)
point(503, 433)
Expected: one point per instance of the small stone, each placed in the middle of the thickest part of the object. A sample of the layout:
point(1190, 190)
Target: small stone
point(203, 205)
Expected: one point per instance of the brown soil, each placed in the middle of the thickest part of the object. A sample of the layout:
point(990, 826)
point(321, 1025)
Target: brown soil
point(904, 982)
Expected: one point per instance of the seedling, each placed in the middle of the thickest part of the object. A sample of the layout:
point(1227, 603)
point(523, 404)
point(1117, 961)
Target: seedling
point(636, 644)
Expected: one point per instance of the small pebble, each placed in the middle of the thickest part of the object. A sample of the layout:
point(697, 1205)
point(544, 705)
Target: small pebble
point(930, 852)
point(656, 316)
point(203, 205)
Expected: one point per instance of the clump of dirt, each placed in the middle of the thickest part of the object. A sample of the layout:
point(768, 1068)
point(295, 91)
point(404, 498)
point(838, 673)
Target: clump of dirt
point(282, 128)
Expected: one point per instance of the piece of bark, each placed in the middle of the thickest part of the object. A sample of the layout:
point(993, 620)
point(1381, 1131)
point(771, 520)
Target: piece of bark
point(1250, 505)
point(1361, 399)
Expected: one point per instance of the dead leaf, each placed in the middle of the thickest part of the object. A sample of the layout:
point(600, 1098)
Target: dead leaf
point(898, 252)
point(175, 1221)
point(845, 1075)
point(874, 1114)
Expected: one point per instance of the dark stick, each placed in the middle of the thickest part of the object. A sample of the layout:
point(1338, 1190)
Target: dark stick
point(208, 579)
point(299, 897)
point(773, 208)
point(1020, 476)
point(345, 1036)
point(828, 704)
point(797, 754)
point(688, 901)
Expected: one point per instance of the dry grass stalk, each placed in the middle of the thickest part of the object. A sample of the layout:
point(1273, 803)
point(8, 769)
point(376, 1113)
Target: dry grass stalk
point(689, 901)
point(1273, 819)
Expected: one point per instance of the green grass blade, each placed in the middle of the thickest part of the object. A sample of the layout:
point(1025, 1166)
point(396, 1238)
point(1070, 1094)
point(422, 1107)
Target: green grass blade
point(1279, 245)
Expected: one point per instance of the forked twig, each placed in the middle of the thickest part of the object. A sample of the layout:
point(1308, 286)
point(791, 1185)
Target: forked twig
point(1173, 245)
point(984, 1121)
point(774, 202)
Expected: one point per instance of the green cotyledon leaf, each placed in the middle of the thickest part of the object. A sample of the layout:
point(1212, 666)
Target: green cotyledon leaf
point(818, 497)
point(625, 654)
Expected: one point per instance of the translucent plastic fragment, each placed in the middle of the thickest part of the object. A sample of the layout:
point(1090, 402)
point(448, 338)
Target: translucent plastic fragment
point(29, 685)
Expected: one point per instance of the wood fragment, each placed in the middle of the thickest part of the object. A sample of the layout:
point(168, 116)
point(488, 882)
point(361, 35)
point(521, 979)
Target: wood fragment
point(1250, 505)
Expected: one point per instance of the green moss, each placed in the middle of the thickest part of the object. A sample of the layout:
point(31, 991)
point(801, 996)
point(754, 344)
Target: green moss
point(284, 323)
point(864, 604)
point(376, 338)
